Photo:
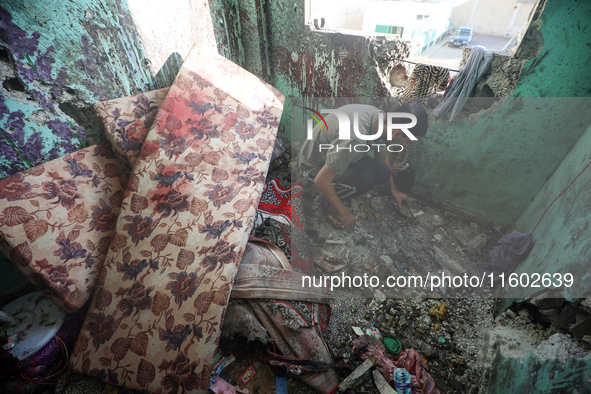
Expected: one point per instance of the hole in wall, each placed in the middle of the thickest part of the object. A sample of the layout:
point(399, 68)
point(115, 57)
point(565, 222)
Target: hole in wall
point(486, 91)
point(399, 76)
point(4, 55)
point(75, 113)
point(13, 84)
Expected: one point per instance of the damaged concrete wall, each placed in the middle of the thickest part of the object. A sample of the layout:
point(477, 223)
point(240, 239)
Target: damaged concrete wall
point(562, 237)
point(530, 375)
point(58, 58)
point(308, 63)
point(496, 162)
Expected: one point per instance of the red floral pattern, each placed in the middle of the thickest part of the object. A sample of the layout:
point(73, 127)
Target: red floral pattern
point(66, 209)
point(127, 122)
point(182, 231)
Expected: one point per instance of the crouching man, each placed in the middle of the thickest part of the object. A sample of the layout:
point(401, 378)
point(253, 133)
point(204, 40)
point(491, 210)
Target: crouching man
point(343, 168)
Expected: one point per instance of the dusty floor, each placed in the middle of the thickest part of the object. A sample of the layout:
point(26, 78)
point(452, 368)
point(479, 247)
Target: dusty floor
point(386, 243)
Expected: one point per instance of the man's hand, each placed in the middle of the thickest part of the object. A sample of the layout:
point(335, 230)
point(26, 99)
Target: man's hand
point(401, 199)
point(337, 211)
point(348, 220)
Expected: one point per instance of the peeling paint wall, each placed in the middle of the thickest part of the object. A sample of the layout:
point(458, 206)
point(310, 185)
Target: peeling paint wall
point(58, 58)
point(530, 375)
point(55, 59)
point(309, 63)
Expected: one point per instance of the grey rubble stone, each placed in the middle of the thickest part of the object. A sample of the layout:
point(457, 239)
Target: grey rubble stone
point(447, 263)
point(459, 234)
point(476, 244)
point(355, 377)
point(381, 383)
point(559, 346)
point(378, 203)
point(387, 259)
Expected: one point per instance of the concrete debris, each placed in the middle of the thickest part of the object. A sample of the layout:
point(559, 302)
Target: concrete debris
point(459, 234)
point(354, 206)
point(561, 347)
point(438, 237)
point(354, 379)
point(525, 314)
point(387, 259)
point(335, 242)
point(381, 383)
point(447, 263)
point(379, 203)
point(476, 244)
point(586, 304)
point(378, 294)
point(358, 331)
point(418, 213)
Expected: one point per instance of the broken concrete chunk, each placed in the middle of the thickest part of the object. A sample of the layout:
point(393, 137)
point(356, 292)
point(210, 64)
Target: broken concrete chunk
point(381, 383)
point(354, 378)
point(459, 234)
point(354, 206)
point(447, 263)
point(561, 347)
point(358, 331)
point(438, 220)
point(379, 294)
point(387, 259)
point(510, 314)
point(438, 237)
point(379, 203)
point(476, 244)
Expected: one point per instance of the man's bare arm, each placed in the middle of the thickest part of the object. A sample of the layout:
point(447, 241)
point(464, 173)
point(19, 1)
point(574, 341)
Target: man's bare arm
point(323, 182)
point(400, 198)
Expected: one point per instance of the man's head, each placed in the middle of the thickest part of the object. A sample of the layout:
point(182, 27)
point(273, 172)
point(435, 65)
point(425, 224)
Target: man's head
point(419, 130)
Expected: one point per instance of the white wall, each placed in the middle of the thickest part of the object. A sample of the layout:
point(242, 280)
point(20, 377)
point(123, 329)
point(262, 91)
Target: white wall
point(402, 13)
point(343, 14)
point(503, 18)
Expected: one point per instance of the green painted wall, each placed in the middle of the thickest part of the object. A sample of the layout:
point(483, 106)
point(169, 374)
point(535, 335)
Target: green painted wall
point(562, 239)
point(59, 57)
point(561, 246)
point(562, 67)
point(530, 375)
point(496, 164)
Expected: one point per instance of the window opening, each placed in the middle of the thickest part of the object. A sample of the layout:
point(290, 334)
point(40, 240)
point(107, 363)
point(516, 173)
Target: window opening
point(437, 30)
